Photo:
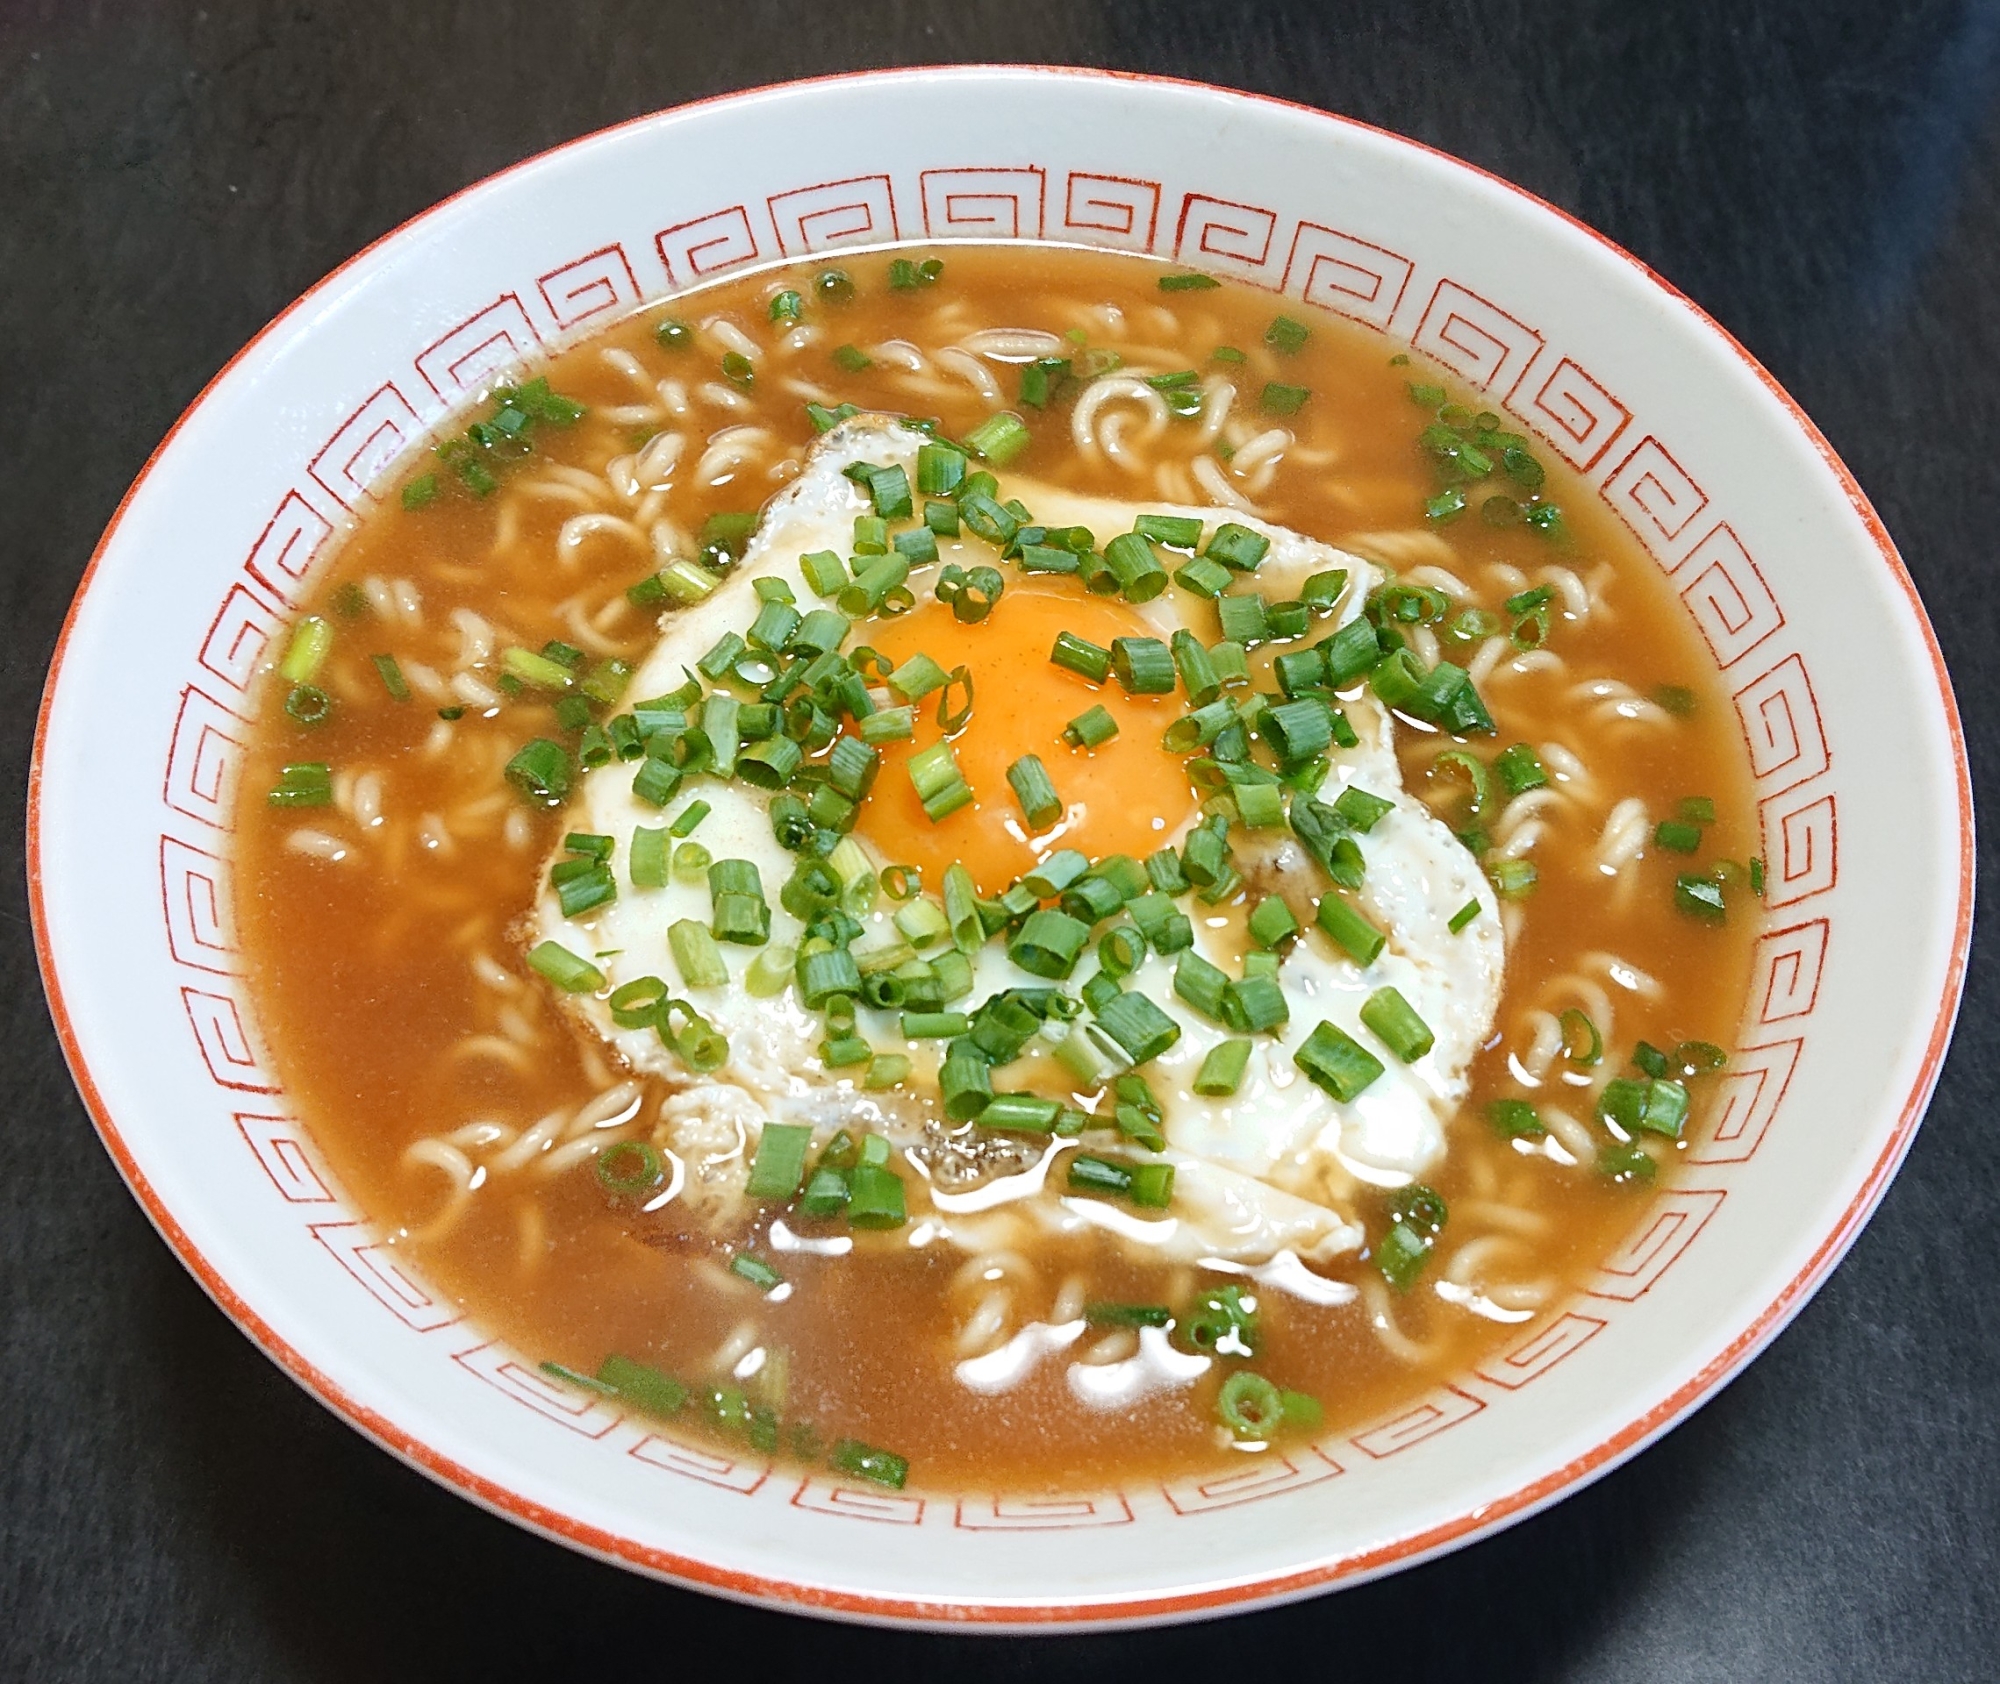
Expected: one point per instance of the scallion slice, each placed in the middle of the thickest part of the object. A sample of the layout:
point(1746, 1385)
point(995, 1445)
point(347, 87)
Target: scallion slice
point(1036, 791)
point(1079, 656)
point(780, 1163)
point(573, 975)
point(1395, 1021)
point(1143, 665)
point(1338, 1063)
point(939, 784)
point(1090, 728)
point(999, 438)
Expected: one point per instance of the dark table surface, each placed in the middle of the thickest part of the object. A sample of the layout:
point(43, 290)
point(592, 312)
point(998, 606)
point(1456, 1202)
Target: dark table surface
point(1825, 179)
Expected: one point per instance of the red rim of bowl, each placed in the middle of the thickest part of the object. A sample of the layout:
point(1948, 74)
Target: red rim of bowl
point(1169, 1605)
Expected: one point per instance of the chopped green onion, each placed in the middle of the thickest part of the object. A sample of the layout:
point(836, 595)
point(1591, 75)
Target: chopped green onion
point(696, 956)
point(1464, 916)
point(851, 358)
point(880, 1467)
point(541, 772)
point(1090, 728)
point(1513, 879)
point(1036, 792)
point(1143, 665)
point(563, 968)
point(1278, 398)
point(754, 1269)
point(1520, 768)
point(940, 469)
point(1395, 1021)
point(1581, 1043)
point(917, 677)
point(999, 438)
point(1337, 1062)
point(885, 1071)
point(1023, 1112)
point(1678, 837)
point(1189, 282)
point(644, 1388)
point(1248, 1404)
point(1653, 1106)
point(889, 725)
point(1049, 943)
point(312, 641)
point(647, 864)
point(1272, 922)
point(1286, 336)
point(1139, 1027)
point(939, 784)
point(1221, 1072)
point(1078, 656)
point(780, 1163)
point(1136, 568)
point(303, 784)
point(1514, 1119)
point(392, 677)
point(1700, 896)
point(630, 1167)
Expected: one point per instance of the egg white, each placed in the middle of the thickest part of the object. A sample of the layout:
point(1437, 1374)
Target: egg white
point(1274, 1167)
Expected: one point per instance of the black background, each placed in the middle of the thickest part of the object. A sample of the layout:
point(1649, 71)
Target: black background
point(1822, 178)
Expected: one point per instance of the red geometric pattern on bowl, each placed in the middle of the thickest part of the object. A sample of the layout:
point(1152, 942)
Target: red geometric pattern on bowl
point(1340, 270)
point(1347, 274)
point(1577, 417)
point(1801, 834)
point(1222, 235)
point(826, 1496)
point(223, 1037)
point(1730, 602)
point(370, 440)
point(282, 558)
point(1655, 496)
point(1671, 1223)
point(599, 283)
point(1747, 1096)
point(201, 927)
point(701, 1463)
point(1041, 1514)
point(1270, 1475)
point(1473, 337)
point(238, 636)
point(204, 759)
point(1561, 1336)
point(1111, 210)
point(372, 1262)
point(1782, 725)
point(508, 1374)
point(983, 204)
point(1445, 1408)
point(698, 250)
point(464, 361)
point(288, 1158)
point(1785, 972)
point(834, 213)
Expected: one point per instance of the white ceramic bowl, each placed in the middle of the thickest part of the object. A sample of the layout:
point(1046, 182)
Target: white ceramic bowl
point(1776, 555)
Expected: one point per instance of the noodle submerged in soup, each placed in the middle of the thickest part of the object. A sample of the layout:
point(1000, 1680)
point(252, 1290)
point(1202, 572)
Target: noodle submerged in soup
point(1001, 868)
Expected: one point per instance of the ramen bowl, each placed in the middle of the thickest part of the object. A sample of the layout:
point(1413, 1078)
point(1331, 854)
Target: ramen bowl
point(1769, 547)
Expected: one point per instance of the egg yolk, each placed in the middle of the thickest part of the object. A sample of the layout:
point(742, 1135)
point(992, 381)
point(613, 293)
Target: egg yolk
point(1124, 797)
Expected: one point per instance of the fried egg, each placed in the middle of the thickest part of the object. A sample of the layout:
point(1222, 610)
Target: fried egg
point(1274, 1167)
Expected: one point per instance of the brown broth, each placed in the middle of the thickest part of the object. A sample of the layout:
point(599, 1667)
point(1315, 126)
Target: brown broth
point(363, 965)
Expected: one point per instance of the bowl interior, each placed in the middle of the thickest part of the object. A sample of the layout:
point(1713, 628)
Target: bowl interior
point(1770, 547)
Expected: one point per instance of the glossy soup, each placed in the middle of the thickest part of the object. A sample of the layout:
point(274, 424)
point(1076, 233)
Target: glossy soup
point(385, 927)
